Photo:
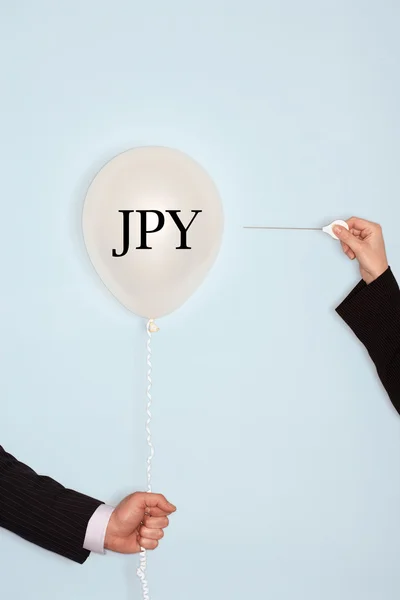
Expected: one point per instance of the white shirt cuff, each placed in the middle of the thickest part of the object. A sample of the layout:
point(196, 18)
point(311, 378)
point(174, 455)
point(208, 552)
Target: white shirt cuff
point(96, 529)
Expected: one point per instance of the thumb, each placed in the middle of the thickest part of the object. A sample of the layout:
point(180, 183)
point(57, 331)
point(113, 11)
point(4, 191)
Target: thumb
point(146, 500)
point(131, 509)
point(347, 238)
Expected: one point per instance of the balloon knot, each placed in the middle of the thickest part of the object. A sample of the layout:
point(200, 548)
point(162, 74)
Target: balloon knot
point(152, 327)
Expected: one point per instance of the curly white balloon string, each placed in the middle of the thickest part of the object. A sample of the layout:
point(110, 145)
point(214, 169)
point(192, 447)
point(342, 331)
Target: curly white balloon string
point(141, 571)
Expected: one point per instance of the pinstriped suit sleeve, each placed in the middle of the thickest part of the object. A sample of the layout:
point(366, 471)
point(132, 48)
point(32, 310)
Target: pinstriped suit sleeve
point(373, 313)
point(42, 511)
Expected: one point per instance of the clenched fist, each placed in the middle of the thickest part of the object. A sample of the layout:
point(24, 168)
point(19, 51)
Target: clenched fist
point(138, 522)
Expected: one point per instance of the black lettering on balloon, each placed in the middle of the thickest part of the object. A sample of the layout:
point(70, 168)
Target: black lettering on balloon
point(143, 227)
point(125, 233)
point(183, 230)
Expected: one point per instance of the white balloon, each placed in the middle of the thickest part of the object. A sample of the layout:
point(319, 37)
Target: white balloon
point(152, 282)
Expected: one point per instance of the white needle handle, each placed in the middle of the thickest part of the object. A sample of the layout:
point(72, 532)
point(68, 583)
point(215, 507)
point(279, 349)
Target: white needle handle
point(329, 228)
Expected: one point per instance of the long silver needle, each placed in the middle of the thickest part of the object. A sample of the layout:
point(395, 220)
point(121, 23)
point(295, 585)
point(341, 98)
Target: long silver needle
point(287, 228)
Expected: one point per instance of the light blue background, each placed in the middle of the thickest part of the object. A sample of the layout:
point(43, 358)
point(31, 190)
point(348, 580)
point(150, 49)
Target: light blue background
point(273, 435)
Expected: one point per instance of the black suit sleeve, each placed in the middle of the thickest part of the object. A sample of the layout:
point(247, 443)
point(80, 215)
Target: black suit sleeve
point(42, 511)
point(373, 313)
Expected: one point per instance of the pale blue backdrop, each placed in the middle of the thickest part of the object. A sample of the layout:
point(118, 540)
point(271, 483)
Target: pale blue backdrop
point(273, 435)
